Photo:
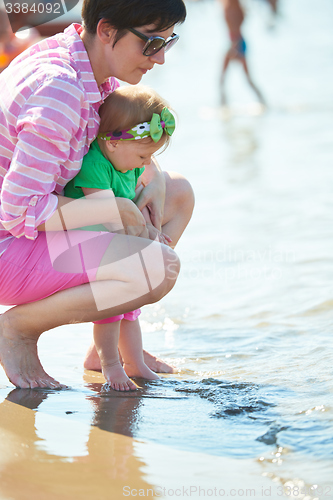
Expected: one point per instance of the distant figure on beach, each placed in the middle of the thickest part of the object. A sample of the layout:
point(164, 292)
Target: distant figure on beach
point(11, 44)
point(274, 5)
point(234, 16)
point(135, 124)
point(53, 272)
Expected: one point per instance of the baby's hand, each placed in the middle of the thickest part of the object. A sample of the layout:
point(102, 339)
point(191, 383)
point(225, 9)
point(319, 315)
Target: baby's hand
point(156, 234)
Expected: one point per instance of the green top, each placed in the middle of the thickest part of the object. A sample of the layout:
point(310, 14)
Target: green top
point(98, 173)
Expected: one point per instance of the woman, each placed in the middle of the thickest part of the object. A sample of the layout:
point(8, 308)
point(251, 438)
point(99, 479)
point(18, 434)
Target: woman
point(50, 98)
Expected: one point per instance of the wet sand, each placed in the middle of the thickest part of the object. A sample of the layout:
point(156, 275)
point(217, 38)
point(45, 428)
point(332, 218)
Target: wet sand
point(111, 464)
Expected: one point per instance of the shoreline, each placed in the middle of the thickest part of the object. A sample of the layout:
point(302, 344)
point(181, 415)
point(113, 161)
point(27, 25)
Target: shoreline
point(108, 463)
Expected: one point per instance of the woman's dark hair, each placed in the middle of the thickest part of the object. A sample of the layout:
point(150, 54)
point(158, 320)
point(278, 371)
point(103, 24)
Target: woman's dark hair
point(124, 14)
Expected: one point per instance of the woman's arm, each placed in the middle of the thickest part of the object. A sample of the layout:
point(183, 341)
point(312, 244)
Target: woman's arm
point(45, 123)
point(97, 207)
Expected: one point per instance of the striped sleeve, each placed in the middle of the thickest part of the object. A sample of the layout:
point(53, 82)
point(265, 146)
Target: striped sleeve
point(46, 125)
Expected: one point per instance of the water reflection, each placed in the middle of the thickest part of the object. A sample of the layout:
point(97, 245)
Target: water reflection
point(28, 450)
point(114, 411)
point(222, 418)
point(214, 405)
point(241, 139)
point(111, 411)
point(227, 418)
point(29, 398)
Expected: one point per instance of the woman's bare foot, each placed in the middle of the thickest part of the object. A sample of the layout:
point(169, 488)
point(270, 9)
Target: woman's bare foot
point(116, 377)
point(19, 359)
point(157, 365)
point(140, 370)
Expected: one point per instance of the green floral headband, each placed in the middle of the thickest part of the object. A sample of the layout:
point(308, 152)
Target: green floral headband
point(153, 129)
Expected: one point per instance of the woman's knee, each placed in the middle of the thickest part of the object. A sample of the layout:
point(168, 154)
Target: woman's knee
point(185, 192)
point(149, 266)
point(179, 191)
point(162, 272)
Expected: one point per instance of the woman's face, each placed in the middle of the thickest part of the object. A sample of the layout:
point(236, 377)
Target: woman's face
point(125, 60)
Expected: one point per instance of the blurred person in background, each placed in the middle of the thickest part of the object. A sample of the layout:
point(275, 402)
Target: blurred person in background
point(274, 5)
point(234, 16)
point(12, 44)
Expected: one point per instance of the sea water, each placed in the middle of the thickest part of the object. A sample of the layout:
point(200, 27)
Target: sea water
point(249, 324)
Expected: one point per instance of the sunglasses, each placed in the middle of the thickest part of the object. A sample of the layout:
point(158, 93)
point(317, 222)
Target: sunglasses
point(155, 43)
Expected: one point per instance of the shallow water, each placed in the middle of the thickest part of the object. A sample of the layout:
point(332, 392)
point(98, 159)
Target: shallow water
point(249, 324)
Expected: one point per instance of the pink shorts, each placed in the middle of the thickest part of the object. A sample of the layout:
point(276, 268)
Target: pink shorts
point(31, 270)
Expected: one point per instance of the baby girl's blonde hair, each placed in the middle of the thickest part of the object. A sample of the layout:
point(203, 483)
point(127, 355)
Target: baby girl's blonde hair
point(129, 106)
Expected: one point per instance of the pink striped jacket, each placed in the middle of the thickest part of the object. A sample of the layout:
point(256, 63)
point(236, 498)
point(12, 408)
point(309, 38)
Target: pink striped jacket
point(49, 103)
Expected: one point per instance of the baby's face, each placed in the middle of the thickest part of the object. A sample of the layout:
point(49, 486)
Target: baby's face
point(128, 155)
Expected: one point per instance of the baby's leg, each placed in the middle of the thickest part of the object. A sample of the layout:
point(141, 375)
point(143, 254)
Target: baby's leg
point(106, 337)
point(130, 346)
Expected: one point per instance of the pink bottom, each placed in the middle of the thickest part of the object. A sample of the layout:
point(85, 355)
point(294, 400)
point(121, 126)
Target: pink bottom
point(31, 270)
point(130, 316)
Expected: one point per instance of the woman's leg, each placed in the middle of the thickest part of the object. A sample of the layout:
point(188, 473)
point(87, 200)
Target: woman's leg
point(178, 208)
point(132, 273)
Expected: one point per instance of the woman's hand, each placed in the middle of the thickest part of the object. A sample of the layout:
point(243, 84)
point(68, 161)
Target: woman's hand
point(152, 195)
point(132, 219)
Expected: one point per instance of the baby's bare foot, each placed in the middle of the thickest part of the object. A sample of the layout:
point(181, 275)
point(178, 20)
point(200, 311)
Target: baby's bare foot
point(116, 377)
point(19, 358)
point(140, 370)
point(92, 362)
point(157, 365)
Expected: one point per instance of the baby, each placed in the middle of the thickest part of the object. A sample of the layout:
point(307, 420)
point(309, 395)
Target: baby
point(135, 123)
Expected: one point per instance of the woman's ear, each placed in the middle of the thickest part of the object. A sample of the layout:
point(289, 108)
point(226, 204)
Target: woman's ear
point(105, 32)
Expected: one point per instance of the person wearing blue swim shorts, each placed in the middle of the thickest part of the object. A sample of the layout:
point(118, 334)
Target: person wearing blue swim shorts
point(234, 17)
